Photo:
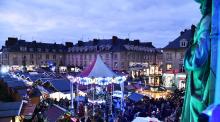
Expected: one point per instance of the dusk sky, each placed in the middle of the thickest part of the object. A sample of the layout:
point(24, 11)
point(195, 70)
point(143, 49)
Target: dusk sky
point(158, 21)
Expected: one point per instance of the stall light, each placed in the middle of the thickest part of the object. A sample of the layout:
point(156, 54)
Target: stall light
point(4, 69)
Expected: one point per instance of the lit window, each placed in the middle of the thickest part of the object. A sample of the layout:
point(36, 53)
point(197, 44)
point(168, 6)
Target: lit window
point(169, 66)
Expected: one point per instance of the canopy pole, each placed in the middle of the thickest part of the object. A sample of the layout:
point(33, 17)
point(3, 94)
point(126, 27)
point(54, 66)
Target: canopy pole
point(93, 95)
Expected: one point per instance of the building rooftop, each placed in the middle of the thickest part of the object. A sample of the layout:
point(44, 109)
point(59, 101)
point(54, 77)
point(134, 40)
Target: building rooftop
point(115, 44)
point(14, 44)
point(10, 109)
point(186, 35)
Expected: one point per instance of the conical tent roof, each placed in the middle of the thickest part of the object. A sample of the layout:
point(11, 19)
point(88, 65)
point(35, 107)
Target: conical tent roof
point(98, 69)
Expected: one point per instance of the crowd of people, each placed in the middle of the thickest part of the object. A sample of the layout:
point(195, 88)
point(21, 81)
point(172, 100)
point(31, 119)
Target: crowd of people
point(168, 110)
point(164, 109)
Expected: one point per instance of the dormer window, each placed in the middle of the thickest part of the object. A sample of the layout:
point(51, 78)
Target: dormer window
point(39, 49)
point(23, 48)
point(31, 49)
point(183, 43)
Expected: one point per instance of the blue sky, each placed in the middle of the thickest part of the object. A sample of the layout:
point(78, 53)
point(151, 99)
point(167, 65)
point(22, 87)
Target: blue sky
point(159, 21)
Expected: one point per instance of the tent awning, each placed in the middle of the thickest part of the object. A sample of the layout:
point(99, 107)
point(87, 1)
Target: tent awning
point(135, 97)
point(98, 69)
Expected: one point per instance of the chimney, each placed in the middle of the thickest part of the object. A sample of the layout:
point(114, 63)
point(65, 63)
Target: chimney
point(95, 41)
point(11, 41)
point(136, 41)
point(69, 44)
point(193, 28)
point(80, 43)
point(181, 33)
point(114, 39)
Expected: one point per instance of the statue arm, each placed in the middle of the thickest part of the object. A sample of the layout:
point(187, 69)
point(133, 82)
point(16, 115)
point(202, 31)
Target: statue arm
point(198, 53)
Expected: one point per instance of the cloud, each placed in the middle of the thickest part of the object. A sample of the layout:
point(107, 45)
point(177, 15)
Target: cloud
point(67, 20)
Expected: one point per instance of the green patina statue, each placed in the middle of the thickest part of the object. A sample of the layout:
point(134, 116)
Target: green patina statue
point(197, 64)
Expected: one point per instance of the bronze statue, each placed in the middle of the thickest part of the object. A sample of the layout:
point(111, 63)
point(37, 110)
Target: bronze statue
point(197, 64)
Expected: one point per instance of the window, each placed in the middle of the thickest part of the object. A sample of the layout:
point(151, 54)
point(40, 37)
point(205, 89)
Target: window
point(54, 57)
point(31, 49)
point(181, 56)
point(115, 56)
point(15, 61)
point(47, 56)
point(181, 68)
point(84, 63)
point(32, 62)
point(32, 56)
point(169, 66)
point(122, 64)
point(23, 48)
point(24, 57)
point(40, 56)
point(107, 55)
point(5, 56)
point(183, 43)
point(47, 50)
point(115, 64)
point(169, 56)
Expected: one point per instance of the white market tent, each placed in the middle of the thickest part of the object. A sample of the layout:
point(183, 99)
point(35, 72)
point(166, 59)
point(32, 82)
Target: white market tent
point(97, 73)
point(145, 119)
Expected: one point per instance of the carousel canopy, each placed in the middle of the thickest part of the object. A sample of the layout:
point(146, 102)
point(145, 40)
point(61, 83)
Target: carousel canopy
point(98, 69)
point(97, 73)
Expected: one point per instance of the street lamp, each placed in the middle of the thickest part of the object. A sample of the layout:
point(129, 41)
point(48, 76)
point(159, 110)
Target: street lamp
point(72, 81)
point(93, 95)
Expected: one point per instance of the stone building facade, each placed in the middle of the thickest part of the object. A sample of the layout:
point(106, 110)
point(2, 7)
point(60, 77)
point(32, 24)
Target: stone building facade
point(17, 53)
point(173, 53)
point(117, 53)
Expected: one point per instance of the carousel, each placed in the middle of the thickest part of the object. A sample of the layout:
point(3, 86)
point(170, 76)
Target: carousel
point(98, 78)
point(154, 89)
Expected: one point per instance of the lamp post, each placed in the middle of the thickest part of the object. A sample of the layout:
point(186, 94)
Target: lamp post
point(72, 81)
point(71, 93)
point(93, 95)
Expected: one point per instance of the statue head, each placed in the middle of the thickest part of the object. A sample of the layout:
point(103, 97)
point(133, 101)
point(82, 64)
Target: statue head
point(206, 6)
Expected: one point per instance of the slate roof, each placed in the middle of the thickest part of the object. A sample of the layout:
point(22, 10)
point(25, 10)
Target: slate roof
point(175, 44)
point(10, 109)
point(115, 46)
point(34, 45)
